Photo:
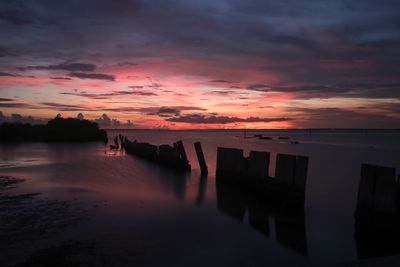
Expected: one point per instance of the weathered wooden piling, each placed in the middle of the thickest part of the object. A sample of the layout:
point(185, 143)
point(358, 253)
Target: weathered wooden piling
point(300, 179)
point(173, 157)
point(377, 215)
point(258, 165)
point(181, 150)
point(377, 191)
point(230, 163)
point(291, 174)
point(143, 150)
point(201, 159)
point(251, 174)
point(167, 154)
point(285, 170)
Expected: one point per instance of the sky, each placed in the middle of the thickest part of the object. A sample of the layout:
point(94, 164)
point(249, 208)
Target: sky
point(190, 64)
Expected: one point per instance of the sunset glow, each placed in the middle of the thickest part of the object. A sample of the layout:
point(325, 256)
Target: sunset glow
point(170, 64)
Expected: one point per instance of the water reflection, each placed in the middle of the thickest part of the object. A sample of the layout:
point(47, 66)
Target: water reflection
point(289, 225)
point(170, 180)
point(202, 191)
point(377, 217)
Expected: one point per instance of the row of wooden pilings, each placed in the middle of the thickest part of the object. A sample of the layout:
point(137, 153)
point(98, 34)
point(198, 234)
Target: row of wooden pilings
point(170, 156)
point(250, 173)
point(378, 192)
point(377, 214)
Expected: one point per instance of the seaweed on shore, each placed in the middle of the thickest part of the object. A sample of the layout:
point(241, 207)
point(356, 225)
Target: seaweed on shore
point(8, 182)
point(72, 253)
point(27, 219)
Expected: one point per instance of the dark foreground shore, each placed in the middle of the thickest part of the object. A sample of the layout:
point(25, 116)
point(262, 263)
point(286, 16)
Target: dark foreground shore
point(82, 204)
point(29, 218)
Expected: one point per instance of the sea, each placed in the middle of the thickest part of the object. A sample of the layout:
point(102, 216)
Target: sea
point(108, 208)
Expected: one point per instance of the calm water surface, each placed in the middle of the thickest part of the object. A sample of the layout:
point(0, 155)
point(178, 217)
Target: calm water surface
point(144, 214)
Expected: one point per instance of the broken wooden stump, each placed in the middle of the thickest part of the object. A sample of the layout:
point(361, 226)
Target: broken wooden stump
point(230, 163)
point(258, 165)
point(169, 156)
point(143, 150)
point(291, 173)
point(174, 157)
point(201, 159)
point(181, 150)
point(377, 215)
point(377, 191)
point(251, 174)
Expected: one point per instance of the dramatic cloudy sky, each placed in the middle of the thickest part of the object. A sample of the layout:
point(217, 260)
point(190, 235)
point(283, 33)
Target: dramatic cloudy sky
point(203, 64)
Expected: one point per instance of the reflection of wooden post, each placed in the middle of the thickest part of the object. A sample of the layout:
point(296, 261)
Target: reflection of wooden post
point(200, 157)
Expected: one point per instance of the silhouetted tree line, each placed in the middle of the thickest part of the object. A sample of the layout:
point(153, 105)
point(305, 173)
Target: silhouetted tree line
point(56, 130)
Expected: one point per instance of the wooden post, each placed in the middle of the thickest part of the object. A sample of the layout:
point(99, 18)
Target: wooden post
point(181, 150)
point(258, 165)
point(200, 157)
point(231, 165)
point(377, 190)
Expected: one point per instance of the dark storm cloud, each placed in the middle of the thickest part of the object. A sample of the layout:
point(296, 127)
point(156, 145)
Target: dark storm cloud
point(127, 64)
point(6, 99)
point(60, 78)
point(110, 95)
point(292, 37)
point(163, 111)
point(16, 105)
point(363, 90)
point(68, 67)
point(221, 81)
point(14, 18)
point(6, 74)
point(62, 107)
point(166, 112)
point(343, 118)
point(150, 85)
point(98, 76)
point(155, 85)
point(224, 92)
point(4, 52)
point(203, 119)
